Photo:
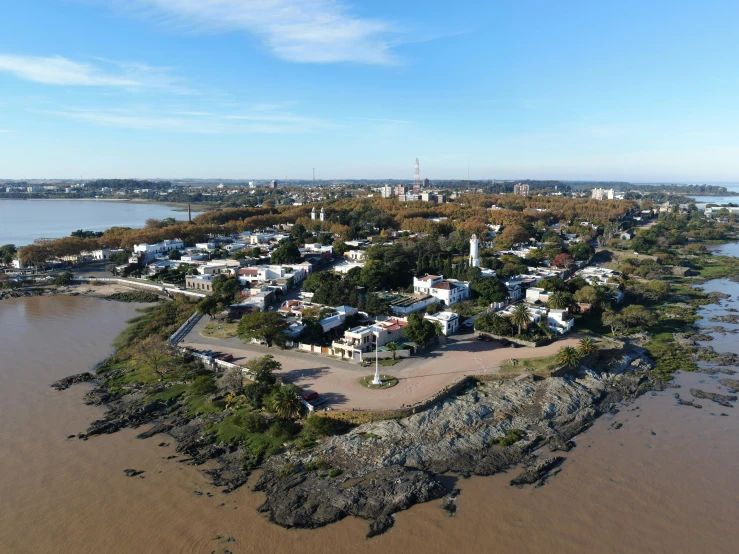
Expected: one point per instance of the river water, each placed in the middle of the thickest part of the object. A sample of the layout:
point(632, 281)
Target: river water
point(22, 221)
point(667, 481)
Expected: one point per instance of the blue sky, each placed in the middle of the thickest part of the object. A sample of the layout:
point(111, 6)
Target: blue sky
point(610, 90)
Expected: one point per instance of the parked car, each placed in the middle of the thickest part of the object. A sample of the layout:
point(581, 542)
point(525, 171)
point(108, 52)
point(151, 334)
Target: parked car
point(226, 357)
point(311, 396)
point(480, 337)
point(488, 339)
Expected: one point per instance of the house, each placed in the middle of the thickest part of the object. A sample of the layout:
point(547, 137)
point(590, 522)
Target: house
point(535, 294)
point(356, 255)
point(346, 267)
point(213, 268)
point(626, 235)
point(406, 304)
point(447, 291)
point(560, 321)
point(448, 321)
point(367, 338)
point(150, 250)
point(203, 283)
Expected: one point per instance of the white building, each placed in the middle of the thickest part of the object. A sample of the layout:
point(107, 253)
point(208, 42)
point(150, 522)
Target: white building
point(603, 194)
point(447, 291)
point(474, 252)
point(158, 248)
point(449, 321)
point(356, 255)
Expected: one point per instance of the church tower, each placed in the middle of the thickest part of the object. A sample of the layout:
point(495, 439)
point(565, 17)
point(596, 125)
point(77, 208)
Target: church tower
point(323, 214)
point(313, 214)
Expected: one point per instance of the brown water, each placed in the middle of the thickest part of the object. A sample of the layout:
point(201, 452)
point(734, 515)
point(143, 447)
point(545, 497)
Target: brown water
point(625, 490)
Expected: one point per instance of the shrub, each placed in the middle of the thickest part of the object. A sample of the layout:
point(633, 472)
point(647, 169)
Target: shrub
point(512, 436)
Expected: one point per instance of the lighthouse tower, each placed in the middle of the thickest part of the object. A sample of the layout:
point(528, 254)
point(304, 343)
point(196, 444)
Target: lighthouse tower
point(313, 214)
point(474, 260)
point(323, 214)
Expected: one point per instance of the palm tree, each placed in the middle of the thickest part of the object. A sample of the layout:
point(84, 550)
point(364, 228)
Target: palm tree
point(559, 300)
point(587, 346)
point(287, 403)
point(393, 346)
point(520, 316)
point(568, 356)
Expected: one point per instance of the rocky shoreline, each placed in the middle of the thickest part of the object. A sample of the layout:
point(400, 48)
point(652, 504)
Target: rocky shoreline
point(380, 468)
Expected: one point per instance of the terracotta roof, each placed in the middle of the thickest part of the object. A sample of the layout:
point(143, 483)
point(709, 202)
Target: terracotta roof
point(444, 285)
point(429, 278)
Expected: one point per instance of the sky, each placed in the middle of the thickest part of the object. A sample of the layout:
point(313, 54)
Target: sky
point(270, 89)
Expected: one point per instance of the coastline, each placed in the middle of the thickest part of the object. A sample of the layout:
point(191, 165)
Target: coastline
point(196, 207)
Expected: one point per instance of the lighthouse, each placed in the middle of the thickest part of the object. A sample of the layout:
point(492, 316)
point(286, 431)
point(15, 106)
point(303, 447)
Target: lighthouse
point(474, 260)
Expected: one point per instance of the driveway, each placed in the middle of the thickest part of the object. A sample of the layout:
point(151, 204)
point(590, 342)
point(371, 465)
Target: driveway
point(419, 378)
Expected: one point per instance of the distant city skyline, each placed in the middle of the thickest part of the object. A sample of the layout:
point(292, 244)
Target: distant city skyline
point(573, 90)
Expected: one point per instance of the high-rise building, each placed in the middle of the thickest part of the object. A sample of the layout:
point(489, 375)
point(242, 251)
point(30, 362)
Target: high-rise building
point(426, 183)
point(273, 184)
point(521, 189)
point(386, 191)
point(603, 194)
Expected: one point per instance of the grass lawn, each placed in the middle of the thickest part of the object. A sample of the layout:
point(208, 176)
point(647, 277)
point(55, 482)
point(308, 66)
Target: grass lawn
point(530, 365)
point(220, 330)
point(387, 382)
point(387, 362)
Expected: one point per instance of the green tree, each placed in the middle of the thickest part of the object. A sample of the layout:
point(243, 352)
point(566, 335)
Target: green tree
point(267, 326)
point(552, 284)
point(569, 357)
point(209, 306)
point(286, 253)
point(393, 347)
point(581, 251)
point(375, 305)
point(262, 369)
point(63, 279)
point(490, 289)
point(559, 300)
point(175, 255)
point(520, 316)
point(7, 253)
point(587, 346)
point(420, 330)
point(286, 403)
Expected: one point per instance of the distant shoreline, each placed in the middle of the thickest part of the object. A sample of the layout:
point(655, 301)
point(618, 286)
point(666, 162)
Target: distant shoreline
point(200, 208)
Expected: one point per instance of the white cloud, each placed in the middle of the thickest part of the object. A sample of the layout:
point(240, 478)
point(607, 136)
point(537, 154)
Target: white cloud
point(312, 31)
point(57, 70)
point(144, 118)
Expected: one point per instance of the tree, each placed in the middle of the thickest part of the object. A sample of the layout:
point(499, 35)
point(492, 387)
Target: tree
point(63, 279)
point(420, 330)
point(226, 288)
point(209, 306)
point(393, 347)
point(153, 353)
point(266, 326)
point(232, 382)
point(562, 260)
point(262, 369)
point(495, 324)
point(7, 253)
point(490, 289)
point(581, 251)
point(597, 297)
point(552, 284)
point(376, 305)
point(175, 255)
point(287, 253)
point(286, 403)
point(511, 235)
point(520, 316)
point(569, 357)
point(339, 247)
point(587, 346)
point(559, 300)
point(433, 308)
